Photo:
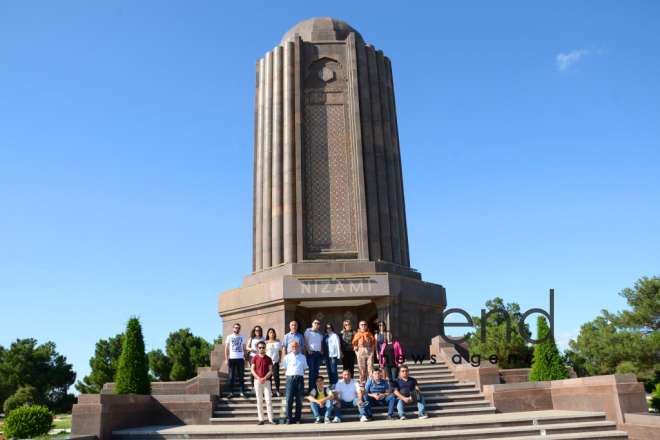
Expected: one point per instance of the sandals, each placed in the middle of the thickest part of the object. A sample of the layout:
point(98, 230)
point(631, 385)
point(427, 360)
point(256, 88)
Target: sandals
point(278, 394)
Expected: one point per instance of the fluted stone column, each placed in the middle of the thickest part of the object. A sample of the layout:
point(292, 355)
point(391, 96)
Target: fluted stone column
point(361, 83)
point(258, 215)
point(389, 159)
point(268, 164)
point(394, 128)
point(277, 183)
point(379, 153)
point(289, 225)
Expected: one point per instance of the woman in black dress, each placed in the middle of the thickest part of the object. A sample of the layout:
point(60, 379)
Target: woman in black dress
point(347, 349)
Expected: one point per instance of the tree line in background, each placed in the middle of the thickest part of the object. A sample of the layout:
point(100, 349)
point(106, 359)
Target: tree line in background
point(184, 352)
point(614, 343)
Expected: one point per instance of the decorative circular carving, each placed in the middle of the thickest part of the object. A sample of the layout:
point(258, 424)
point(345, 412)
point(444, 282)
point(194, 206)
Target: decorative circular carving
point(348, 315)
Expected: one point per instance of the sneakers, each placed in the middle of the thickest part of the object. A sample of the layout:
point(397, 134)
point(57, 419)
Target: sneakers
point(336, 420)
point(261, 422)
point(389, 417)
point(370, 417)
point(327, 420)
point(318, 420)
point(402, 417)
point(423, 416)
point(364, 419)
point(288, 422)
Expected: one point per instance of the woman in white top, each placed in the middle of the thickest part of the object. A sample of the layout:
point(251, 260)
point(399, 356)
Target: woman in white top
point(274, 351)
point(256, 336)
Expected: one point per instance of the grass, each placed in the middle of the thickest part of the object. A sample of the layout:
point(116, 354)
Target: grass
point(45, 437)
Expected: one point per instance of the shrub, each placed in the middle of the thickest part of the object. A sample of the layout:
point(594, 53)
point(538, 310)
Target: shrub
point(133, 370)
point(22, 396)
point(654, 403)
point(548, 363)
point(28, 422)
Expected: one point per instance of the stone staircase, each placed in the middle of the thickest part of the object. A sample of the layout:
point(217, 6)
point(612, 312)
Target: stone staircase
point(443, 394)
point(457, 411)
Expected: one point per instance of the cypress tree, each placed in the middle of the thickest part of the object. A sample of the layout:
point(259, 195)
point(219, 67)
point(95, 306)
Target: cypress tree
point(548, 363)
point(133, 370)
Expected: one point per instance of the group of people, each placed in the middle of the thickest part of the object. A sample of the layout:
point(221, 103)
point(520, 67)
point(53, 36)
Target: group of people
point(298, 352)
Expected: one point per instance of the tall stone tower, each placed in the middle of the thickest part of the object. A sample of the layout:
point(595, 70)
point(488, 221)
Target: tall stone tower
point(327, 165)
point(330, 236)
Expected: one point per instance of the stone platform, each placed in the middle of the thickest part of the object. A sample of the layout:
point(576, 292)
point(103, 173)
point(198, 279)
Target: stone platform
point(529, 425)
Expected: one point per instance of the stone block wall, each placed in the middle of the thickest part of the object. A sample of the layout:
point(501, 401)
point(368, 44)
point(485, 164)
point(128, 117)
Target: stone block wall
point(615, 395)
point(97, 415)
point(643, 426)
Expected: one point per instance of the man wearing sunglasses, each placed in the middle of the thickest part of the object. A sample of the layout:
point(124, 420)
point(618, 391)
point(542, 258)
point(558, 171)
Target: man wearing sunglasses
point(262, 369)
point(235, 359)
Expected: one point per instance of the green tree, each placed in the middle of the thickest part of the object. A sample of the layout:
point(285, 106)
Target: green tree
point(624, 342)
point(104, 365)
point(655, 398)
point(185, 353)
point(26, 364)
point(496, 341)
point(548, 363)
point(28, 422)
point(24, 396)
point(133, 370)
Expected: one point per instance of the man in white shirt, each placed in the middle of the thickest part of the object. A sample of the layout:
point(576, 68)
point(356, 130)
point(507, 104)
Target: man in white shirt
point(348, 394)
point(294, 365)
point(314, 343)
point(235, 359)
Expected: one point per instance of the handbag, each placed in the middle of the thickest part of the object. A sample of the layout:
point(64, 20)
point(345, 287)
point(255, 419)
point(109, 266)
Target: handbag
point(416, 395)
point(248, 350)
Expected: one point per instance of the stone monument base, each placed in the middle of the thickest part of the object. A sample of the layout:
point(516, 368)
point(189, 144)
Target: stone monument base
point(333, 291)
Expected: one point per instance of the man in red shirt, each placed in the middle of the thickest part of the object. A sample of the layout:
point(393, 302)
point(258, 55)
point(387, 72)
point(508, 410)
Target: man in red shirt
point(262, 369)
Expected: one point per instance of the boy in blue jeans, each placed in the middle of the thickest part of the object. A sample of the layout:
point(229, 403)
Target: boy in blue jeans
point(321, 399)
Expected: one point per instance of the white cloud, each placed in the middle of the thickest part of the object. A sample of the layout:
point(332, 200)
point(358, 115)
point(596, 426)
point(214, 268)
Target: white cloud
point(566, 61)
point(570, 334)
point(563, 340)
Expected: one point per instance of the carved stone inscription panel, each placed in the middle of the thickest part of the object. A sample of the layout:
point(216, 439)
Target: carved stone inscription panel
point(329, 172)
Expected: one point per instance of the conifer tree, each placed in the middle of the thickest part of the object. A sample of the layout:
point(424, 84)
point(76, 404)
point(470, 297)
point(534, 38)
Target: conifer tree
point(548, 363)
point(133, 370)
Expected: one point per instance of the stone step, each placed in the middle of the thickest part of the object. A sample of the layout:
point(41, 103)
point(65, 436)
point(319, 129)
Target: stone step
point(251, 410)
point(434, 378)
point(411, 412)
point(449, 386)
point(577, 431)
point(416, 375)
point(410, 428)
point(249, 403)
point(442, 391)
point(581, 431)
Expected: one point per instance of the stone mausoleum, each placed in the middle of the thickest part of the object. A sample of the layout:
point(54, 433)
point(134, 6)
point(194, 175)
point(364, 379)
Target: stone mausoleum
point(330, 234)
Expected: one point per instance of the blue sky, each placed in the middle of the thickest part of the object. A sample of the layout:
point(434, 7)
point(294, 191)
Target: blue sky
point(529, 136)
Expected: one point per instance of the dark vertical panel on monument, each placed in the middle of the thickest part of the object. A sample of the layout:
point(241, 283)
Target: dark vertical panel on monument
point(268, 163)
point(379, 153)
point(331, 226)
point(300, 206)
point(289, 155)
point(401, 200)
point(389, 159)
point(258, 257)
point(254, 171)
point(358, 155)
point(369, 160)
point(277, 183)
